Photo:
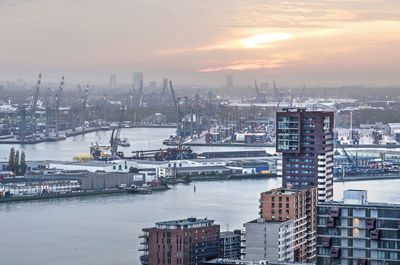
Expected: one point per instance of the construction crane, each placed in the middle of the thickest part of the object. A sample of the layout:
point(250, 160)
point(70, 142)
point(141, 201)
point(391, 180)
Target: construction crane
point(258, 94)
point(141, 93)
point(291, 98)
point(164, 91)
point(278, 96)
point(276, 92)
point(349, 159)
point(58, 102)
point(33, 109)
point(84, 102)
point(176, 108)
point(115, 135)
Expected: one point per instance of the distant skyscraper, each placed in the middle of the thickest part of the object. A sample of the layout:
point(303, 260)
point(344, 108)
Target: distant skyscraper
point(137, 82)
point(164, 91)
point(152, 85)
point(264, 85)
point(229, 82)
point(113, 81)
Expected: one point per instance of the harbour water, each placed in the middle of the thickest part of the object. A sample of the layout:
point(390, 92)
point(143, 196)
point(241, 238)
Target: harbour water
point(104, 229)
point(140, 139)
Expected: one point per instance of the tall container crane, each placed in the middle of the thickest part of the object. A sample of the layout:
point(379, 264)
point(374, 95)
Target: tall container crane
point(58, 102)
point(33, 109)
point(178, 133)
point(115, 135)
point(84, 105)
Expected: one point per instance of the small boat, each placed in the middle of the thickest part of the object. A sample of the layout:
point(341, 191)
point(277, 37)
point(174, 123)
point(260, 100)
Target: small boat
point(124, 142)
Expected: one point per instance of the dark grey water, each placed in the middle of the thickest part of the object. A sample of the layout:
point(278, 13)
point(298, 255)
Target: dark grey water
point(105, 229)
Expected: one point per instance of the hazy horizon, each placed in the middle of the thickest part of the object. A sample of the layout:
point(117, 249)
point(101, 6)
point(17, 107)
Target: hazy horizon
point(327, 43)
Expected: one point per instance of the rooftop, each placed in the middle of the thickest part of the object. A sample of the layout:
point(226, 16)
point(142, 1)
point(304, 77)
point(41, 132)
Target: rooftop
point(283, 191)
point(358, 198)
point(227, 234)
point(188, 223)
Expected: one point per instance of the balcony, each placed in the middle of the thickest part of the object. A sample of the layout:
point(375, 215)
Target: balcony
point(375, 234)
point(370, 223)
point(361, 262)
point(144, 248)
point(330, 222)
point(335, 252)
point(144, 259)
point(144, 235)
point(326, 241)
point(335, 211)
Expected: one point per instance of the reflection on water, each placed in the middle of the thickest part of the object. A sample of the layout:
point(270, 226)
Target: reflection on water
point(104, 229)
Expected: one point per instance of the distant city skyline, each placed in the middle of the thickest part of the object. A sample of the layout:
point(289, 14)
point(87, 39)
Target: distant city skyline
point(311, 42)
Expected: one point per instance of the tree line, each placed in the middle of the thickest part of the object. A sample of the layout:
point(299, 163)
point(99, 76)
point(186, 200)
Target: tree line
point(17, 162)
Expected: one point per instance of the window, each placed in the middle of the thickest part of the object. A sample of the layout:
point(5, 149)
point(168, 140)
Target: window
point(321, 221)
point(324, 251)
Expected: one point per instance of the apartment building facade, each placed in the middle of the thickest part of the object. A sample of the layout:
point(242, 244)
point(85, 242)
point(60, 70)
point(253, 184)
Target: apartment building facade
point(188, 241)
point(299, 206)
point(305, 139)
point(230, 244)
point(272, 240)
point(357, 232)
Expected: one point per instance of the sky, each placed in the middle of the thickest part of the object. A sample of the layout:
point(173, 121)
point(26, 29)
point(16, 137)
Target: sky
point(312, 42)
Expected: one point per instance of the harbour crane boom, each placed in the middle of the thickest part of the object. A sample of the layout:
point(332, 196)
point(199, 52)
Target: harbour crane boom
point(276, 92)
point(115, 135)
point(258, 94)
point(33, 109)
point(84, 103)
point(36, 96)
point(58, 102)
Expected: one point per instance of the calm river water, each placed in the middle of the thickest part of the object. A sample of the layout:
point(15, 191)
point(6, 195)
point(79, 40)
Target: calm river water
point(104, 229)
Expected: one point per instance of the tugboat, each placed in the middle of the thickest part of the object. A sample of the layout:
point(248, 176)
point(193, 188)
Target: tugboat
point(123, 142)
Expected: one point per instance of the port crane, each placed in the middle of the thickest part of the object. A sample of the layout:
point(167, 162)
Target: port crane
point(58, 102)
point(178, 133)
point(84, 105)
point(141, 93)
point(276, 92)
point(291, 98)
point(34, 105)
point(278, 96)
point(163, 94)
point(115, 135)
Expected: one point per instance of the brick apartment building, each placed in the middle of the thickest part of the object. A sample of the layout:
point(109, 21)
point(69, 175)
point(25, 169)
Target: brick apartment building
point(305, 139)
point(298, 205)
point(188, 241)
